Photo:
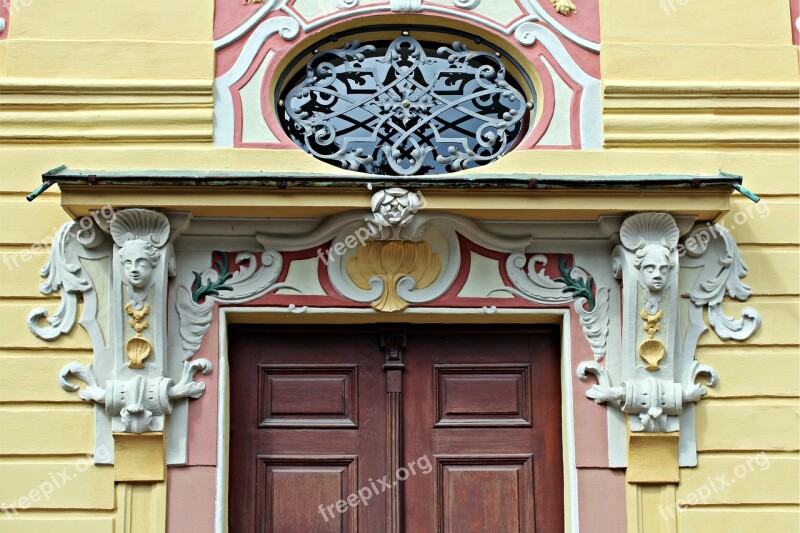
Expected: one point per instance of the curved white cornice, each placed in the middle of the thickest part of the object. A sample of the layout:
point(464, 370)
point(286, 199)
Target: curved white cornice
point(239, 31)
point(288, 28)
point(591, 101)
point(541, 14)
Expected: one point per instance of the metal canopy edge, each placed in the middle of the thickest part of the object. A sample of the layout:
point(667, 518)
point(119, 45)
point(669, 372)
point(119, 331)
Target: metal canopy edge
point(192, 178)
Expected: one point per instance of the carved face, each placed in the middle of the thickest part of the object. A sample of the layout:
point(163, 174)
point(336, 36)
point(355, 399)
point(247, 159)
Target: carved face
point(138, 261)
point(655, 267)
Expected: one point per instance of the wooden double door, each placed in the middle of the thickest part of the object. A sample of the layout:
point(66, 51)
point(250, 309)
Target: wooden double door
point(417, 429)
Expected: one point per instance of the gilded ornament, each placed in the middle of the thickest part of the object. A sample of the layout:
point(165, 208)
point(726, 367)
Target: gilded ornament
point(652, 352)
point(651, 322)
point(390, 261)
point(565, 7)
point(138, 321)
point(137, 349)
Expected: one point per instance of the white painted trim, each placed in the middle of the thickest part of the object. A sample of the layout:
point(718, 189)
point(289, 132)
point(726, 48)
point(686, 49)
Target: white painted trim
point(568, 437)
point(539, 12)
point(223, 100)
point(221, 474)
point(568, 423)
point(245, 26)
point(591, 100)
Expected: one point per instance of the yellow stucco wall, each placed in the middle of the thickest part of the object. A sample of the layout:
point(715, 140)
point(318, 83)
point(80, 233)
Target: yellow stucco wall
point(151, 62)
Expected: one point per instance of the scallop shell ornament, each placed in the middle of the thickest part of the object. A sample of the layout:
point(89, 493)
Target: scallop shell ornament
point(652, 352)
point(137, 349)
point(649, 228)
point(144, 224)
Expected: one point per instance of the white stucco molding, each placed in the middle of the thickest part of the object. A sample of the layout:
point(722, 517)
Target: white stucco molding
point(131, 258)
point(132, 284)
point(657, 382)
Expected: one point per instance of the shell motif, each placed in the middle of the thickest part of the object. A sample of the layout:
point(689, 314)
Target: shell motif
point(391, 261)
point(130, 224)
point(137, 349)
point(649, 228)
point(652, 352)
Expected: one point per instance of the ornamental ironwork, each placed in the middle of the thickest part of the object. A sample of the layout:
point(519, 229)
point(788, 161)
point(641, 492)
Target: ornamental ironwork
point(405, 108)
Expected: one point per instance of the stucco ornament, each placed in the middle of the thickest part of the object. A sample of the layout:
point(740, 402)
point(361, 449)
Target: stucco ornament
point(65, 274)
point(405, 6)
point(390, 261)
point(129, 380)
point(656, 383)
point(399, 6)
point(575, 285)
point(393, 209)
point(139, 404)
point(714, 249)
point(141, 235)
point(565, 7)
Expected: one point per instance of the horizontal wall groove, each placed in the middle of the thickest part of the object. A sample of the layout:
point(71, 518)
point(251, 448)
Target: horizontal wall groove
point(28, 86)
point(113, 111)
point(754, 396)
point(739, 454)
point(48, 458)
point(679, 89)
point(649, 140)
point(739, 506)
point(691, 114)
point(47, 406)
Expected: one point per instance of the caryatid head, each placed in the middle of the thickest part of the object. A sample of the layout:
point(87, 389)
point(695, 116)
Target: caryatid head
point(654, 263)
point(138, 258)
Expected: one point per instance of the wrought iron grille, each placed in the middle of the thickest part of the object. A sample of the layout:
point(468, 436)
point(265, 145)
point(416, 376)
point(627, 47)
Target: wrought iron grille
point(405, 108)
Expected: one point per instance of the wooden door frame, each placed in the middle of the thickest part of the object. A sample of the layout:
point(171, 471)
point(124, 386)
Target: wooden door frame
point(334, 315)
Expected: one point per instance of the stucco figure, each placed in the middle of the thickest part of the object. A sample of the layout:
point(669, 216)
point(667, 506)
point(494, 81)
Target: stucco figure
point(654, 263)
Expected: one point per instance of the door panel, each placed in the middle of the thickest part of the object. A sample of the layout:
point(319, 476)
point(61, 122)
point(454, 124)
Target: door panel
point(311, 424)
point(482, 395)
point(289, 490)
point(309, 396)
point(307, 418)
point(485, 405)
point(485, 493)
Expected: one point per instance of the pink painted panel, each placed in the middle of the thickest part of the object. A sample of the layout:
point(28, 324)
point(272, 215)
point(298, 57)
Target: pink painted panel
point(601, 500)
point(202, 436)
point(591, 442)
point(229, 15)
point(5, 15)
point(190, 499)
point(584, 22)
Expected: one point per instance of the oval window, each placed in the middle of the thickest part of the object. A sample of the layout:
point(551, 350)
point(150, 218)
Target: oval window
point(406, 107)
